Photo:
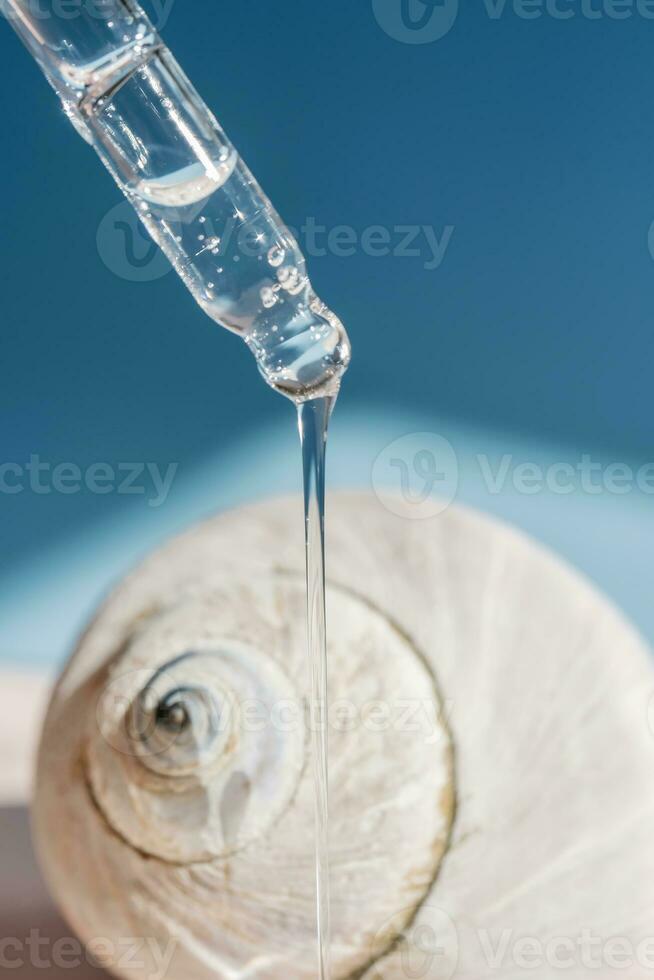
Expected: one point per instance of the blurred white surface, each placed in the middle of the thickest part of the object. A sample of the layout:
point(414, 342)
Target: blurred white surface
point(25, 697)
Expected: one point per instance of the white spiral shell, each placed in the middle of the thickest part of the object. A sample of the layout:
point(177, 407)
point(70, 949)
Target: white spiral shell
point(490, 754)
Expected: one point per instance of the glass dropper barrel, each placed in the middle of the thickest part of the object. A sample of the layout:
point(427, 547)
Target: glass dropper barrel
point(127, 96)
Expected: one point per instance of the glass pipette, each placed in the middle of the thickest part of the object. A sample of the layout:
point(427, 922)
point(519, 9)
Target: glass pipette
point(126, 95)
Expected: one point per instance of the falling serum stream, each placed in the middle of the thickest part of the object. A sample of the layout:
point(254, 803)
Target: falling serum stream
point(313, 419)
point(128, 98)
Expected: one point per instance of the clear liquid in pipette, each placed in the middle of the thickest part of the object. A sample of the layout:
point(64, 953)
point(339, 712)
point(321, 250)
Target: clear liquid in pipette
point(188, 185)
point(244, 273)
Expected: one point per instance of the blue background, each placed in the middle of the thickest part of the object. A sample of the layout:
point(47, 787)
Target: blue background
point(533, 138)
